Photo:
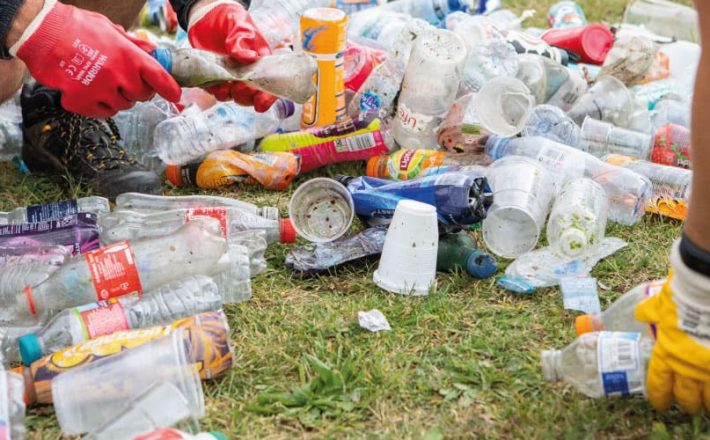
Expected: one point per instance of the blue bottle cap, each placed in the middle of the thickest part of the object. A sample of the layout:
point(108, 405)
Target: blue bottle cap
point(30, 349)
point(288, 107)
point(481, 265)
point(497, 146)
point(163, 56)
point(218, 435)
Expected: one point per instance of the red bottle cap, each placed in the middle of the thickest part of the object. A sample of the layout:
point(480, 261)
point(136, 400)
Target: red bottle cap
point(172, 172)
point(288, 232)
point(591, 42)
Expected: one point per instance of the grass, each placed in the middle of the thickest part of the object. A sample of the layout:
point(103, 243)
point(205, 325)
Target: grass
point(462, 362)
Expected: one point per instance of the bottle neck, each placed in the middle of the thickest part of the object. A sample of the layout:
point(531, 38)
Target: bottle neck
point(552, 365)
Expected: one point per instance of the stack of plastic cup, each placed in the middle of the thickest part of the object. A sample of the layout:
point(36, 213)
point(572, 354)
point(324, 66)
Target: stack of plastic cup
point(321, 210)
point(522, 194)
point(602, 138)
point(607, 100)
point(408, 262)
point(113, 389)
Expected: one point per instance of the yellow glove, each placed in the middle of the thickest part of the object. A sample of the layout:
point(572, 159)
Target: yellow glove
point(680, 362)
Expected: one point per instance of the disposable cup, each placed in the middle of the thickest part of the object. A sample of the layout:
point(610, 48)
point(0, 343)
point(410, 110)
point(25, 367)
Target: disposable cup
point(321, 210)
point(88, 397)
point(607, 100)
point(522, 195)
point(602, 138)
point(408, 262)
point(503, 106)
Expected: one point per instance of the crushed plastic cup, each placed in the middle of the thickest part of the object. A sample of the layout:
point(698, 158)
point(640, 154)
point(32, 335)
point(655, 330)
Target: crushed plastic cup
point(607, 100)
point(602, 138)
point(503, 106)
point(408, 262)
point(522, 195)
point(88, 397)
point(321, 210)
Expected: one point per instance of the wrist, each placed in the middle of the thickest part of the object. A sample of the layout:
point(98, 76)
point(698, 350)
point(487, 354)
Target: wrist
point(25, 14)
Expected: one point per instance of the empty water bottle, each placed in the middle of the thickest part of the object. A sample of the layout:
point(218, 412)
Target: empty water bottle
point(55, 211)
point(620, 315)
point(123, 268)
point(277, 20)
point(551, 122)
point(601, 364)
point(77, 233)
point(578, 218)
point(168, 303)
point(195, 133)
point(14, 278)
point(124, 225)
point(151, 203)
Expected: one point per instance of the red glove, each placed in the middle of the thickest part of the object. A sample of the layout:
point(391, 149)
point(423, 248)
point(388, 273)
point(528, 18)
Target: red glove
point(226, 28)
point(97, 66)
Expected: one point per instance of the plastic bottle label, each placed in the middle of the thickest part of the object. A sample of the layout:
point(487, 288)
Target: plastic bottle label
point(51, 211)
point(580, 294)
point(102, 318)
point(219, 213)
point(620, 363)
point(162, 434)
point(357, 143)
point(113, 271)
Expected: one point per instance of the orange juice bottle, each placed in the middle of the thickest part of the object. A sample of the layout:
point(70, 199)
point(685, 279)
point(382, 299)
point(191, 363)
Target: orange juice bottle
point(273, 171)
point(323, 33)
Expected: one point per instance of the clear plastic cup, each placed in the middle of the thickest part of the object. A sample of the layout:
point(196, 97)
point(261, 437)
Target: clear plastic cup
point(321, 210)
point(602, 138)
point(607, 100)
point(522, 194)
point(89, 397)
point(503, 106)
point(408, 262)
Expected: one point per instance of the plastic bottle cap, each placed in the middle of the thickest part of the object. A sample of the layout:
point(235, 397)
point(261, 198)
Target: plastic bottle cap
point(218, 435)
point(30, 349)
point(376, 166)
point(288, 232)
point(172, 172)
point(573, 241)
point(480, 265)
point(586, 324)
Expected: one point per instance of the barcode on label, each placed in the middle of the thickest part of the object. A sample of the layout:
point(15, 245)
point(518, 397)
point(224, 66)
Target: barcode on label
point(625, 356)
point(355, 143)
point(618, 352)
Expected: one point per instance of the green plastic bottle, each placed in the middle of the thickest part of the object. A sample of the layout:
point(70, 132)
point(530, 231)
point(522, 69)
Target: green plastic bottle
point(459, 251)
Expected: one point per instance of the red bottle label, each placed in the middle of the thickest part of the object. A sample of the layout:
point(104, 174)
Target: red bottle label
point(220, 213)
point(102, 318)
point(113, 271)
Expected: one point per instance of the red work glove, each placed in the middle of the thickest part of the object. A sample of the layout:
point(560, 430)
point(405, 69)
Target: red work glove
point(97, 66)
point(226, 28)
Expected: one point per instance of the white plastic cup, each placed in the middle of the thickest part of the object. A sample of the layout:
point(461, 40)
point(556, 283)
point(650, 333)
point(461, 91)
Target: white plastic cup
point(607, 100)
point(602, 138)
point(408, 262)
point(503, 106)
point(321, 210)
point(522, 195)
point(88, 397)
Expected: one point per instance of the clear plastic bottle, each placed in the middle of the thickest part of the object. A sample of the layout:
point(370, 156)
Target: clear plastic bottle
point(10, 128)
point(12, 406)
point(379, 90)
point(168, 303)
point(551, 122)
point(670, 110)
point(600, 138)
point(601, 364)
point(277, 20)
point(194, 133)
point(129, 225)
point(578, 218)
point(620, 315)
point(433, 11)
point(627, 190)
point(197, 248)
point(137, 126)
point(56, 210)
point(151, 203)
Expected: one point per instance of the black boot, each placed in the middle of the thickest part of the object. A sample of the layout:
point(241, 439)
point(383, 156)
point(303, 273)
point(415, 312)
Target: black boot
point(59, 142)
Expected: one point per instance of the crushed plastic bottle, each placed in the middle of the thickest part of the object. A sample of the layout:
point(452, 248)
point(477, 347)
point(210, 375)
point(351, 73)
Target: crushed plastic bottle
point(620, 315)
point(123, 268)
point(602, 364)
point(277, 20)
point(78, 233)
point(130, 225)
point(56, 210)
point(193, 133)
point(412, 164)
point(376, 95)
point(459, 251)
point(14, 278)
point(628, 191)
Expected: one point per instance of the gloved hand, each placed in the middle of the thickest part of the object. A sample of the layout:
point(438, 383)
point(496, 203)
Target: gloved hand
point(680, 363)
point(226, 28)
point(97, 66)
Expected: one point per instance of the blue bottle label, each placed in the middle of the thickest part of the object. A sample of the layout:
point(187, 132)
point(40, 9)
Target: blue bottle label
point(620, 367)
point(51, 211)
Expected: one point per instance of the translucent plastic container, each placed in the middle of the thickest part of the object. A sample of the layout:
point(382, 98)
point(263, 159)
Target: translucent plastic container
point(55, 211)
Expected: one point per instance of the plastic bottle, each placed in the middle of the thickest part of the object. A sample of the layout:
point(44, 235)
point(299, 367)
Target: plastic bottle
point(137, 126)
point(549, 81)
point(12, 402)
point(17, 255)
point(578, 218)
point(10, 128)
point(342, 142)
point(376, 95)
point(551, 122)
point(273, 171)
point(566, 14)
point(665, 18)
point(433, 11)
point(412, 164)
point(14, 278)
point(429, 88)
point(459, 251)
point(601, 138)
point(277, 20)
point(78, 233)
point(620, 315)
point(173, 434)
point(627, 190)
point(671, 185)
point(170, 302)
point(671, 146)
point(601, 364)
point(56, 210)
point(130, 225)
point(193, 133)
point(206, 334)
point(152, 203)
point(124, 268)
point(460, 199)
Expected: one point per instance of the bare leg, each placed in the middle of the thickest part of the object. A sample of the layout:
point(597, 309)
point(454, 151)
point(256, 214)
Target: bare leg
point(11, 72)
point(123, 12)
point(697, 227)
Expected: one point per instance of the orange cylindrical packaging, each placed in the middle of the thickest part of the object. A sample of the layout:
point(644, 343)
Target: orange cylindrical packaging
point(323, 34)
point(207, 335)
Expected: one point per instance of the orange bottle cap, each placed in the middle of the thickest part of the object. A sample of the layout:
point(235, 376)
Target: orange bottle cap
point(172, 172)
point(587, 324)
point(376, 166)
